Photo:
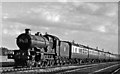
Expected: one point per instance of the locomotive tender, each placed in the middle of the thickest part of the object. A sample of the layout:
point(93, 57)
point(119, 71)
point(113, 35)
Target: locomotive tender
point(47, 50)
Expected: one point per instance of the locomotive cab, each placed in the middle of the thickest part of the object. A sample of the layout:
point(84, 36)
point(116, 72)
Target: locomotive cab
point(54, 43)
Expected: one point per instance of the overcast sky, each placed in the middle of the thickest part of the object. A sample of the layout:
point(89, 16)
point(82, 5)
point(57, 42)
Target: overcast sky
point(88, 23)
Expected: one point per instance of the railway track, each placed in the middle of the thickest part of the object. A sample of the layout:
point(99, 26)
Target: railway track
point(47, 69)
point(6, 64)
point(32, 69)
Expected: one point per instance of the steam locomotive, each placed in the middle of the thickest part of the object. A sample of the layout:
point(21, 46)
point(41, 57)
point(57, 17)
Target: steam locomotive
point(47, 50)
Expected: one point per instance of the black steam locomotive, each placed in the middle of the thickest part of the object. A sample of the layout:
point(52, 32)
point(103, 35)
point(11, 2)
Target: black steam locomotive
point(47, 50)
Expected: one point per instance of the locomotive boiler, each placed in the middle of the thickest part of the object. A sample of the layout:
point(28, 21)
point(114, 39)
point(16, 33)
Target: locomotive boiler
point(27, 41)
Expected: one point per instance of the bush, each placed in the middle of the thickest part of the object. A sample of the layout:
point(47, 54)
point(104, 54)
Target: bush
point(3, 51)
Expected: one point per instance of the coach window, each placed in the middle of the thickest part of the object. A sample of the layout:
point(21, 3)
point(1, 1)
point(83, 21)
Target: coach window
point(75, 49)
point(64, 48)
point(83, 50)
point(57, 42)
point(90, 51)
point(80, 50)
point(95, 52)
point(99, 53)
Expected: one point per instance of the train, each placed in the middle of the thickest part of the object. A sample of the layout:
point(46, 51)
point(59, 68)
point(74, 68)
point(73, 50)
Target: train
point(48, 50)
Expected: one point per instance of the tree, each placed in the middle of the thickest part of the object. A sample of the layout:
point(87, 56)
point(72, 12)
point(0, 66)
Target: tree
point(3, 51)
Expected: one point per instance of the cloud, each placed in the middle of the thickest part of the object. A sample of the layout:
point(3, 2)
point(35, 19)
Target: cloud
point(112, 10)
point(10, 32)
point(93, 7)
point(101, 29)
point(45, 28)
point(72, 16)
point(13, 29)
point(5, 16)
point(93, 24)
point(63, 1)
point(48, 16)
point(52, 17)
point(90, 7)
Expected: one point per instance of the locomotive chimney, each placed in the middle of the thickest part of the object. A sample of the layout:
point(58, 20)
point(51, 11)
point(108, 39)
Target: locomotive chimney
point(27, 31)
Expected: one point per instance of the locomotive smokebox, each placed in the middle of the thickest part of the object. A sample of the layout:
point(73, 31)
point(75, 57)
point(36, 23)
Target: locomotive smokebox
point(24, 41)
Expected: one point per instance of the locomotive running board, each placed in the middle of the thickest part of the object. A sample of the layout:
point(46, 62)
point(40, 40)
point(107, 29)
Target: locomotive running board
point(47, 53)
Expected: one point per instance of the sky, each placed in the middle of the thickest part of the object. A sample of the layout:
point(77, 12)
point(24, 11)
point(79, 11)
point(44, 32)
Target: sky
point(88, 23)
